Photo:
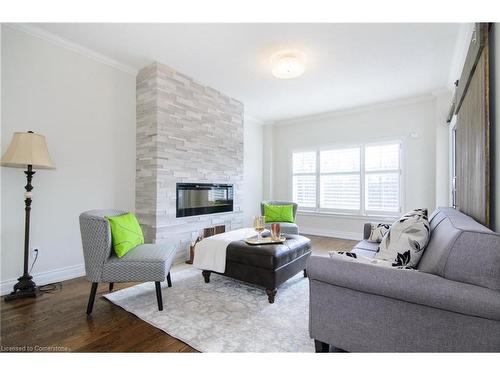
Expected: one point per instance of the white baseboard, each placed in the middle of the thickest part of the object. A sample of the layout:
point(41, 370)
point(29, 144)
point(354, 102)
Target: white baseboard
point(331, 233)
point(47, 277)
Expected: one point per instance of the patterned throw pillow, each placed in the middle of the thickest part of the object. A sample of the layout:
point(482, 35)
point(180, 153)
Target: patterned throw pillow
point(353, 257)
point(378, 232)
point(406, 240)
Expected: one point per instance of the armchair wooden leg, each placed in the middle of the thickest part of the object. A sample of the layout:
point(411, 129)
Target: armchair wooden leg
point(111, 287)
point(158, 295)
point(90, 304)
point(169, 281)
point(321, 347)
point(305, 273)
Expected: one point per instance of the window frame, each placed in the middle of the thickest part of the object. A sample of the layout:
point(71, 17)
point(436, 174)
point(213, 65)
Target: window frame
point(362, 212)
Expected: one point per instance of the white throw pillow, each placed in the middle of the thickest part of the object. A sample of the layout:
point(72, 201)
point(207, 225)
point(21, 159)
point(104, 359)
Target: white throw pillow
point(406, 240)
point(353, 257)
point(378, 232)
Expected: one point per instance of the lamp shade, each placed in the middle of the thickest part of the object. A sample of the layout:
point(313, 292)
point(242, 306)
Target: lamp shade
point(27, 149)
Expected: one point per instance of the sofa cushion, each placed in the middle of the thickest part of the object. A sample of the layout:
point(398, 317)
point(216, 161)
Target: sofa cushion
point(378, 231)
point(463, 250)
point(406, 240)
point(149, 262)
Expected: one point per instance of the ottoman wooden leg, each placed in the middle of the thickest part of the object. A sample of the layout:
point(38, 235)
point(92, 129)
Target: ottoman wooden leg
point(305, 273)
point(271, 293)
point(206, 276)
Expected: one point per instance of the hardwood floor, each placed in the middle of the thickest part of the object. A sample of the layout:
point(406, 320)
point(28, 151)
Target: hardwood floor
point(55, 322)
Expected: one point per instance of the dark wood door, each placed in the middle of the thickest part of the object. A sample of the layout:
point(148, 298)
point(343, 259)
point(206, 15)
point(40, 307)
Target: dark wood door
point(473, 133)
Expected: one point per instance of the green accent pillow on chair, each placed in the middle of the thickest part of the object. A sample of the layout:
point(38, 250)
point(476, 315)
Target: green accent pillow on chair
point(126, 233)
point(278, 213)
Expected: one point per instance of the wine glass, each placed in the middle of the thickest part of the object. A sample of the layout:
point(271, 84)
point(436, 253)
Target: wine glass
point(258, 225)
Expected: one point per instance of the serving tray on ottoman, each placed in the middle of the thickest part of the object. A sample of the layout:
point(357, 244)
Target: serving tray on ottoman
point(268, 265)
point(264, 240)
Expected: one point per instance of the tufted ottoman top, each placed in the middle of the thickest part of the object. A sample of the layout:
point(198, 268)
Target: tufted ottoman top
point(270, 256)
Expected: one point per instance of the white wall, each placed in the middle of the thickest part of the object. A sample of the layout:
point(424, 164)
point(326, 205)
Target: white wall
point(252, 168)
point(86, 110)
point(460, 54)
point(386, 121)
point(267, 179)
point(443, 103)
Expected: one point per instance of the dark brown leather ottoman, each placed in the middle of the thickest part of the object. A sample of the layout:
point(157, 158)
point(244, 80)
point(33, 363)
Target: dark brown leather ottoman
point(268, 266)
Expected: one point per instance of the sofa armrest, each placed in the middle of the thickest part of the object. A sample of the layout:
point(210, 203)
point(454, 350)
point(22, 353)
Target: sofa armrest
point(406, 285)
point(367, 230)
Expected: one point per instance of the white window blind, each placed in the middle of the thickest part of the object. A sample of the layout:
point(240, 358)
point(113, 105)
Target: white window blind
point(304, 178)
point(363, 180)
point(382, 178)
point(340, 180)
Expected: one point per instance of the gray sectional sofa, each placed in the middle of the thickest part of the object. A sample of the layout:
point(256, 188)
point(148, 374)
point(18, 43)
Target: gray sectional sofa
point(450, 304)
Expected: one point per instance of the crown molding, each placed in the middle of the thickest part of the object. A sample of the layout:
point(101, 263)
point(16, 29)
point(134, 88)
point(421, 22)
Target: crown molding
point(355, 110)
point(72, 46)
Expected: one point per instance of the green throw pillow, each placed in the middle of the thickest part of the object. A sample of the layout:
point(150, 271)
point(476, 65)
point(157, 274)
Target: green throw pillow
point(278, 213)
point(126, 233)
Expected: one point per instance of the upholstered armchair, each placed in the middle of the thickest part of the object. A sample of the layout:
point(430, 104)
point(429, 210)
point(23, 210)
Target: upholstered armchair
point(146, 262)
point(288, 228)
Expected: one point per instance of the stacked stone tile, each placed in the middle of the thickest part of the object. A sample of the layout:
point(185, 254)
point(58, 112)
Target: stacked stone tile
point(186, 132)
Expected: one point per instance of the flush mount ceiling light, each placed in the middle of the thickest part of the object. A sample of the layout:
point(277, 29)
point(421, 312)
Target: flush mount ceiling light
point(287, 64)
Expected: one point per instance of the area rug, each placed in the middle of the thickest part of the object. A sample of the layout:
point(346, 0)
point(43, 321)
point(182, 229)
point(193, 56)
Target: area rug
point(225, 315)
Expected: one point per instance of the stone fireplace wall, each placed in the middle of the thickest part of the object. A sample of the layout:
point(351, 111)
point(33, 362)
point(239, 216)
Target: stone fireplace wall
point(186, 132)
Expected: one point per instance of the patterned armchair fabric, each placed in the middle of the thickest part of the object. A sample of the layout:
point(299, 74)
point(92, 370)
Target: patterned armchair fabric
point(148, 262)
point(96, 241)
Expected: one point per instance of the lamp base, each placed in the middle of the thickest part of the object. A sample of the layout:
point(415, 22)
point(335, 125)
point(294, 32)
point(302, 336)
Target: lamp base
point(24, 288)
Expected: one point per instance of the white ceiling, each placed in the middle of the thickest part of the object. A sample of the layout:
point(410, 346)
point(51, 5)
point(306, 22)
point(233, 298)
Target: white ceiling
point(348, 65)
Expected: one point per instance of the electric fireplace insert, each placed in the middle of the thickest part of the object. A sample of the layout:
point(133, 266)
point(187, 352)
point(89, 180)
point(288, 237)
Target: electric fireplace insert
point(202, 199)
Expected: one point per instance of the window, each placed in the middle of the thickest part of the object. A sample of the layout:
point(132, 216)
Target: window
point(382, 175)
point(362, 180)
point(304, 179)
point(340, 179)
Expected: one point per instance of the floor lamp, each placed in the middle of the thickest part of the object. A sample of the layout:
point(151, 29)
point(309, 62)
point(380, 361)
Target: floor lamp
point(26, 150)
